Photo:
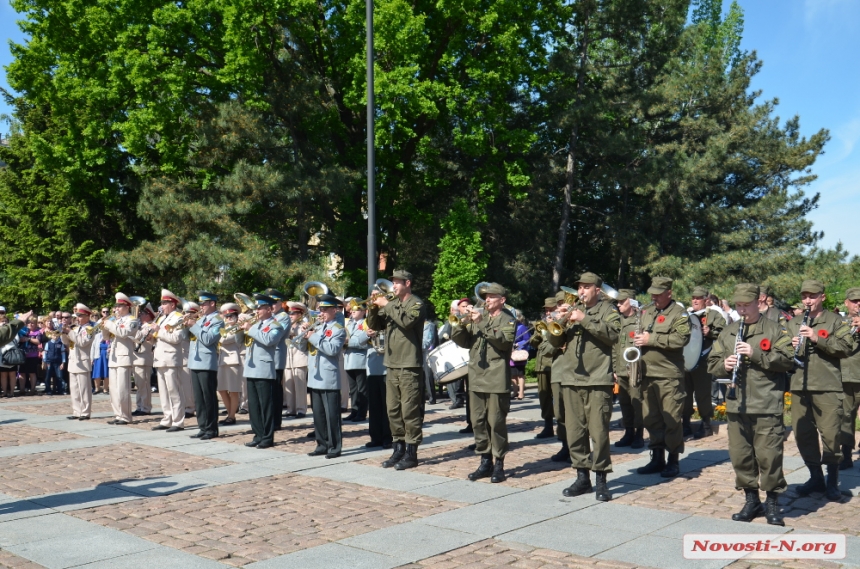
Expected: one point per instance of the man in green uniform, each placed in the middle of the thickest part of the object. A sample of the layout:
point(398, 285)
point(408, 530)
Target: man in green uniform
point(546, 353)
point(489, 337)
point(851, 379)
point(402, 319)
point(563, 455)
point(9, 331)
point(816, 389)
point(629, 396)
point(585, 367)
point(755, 412)
point(665, 332)
point(769, 312)
point(699, 381)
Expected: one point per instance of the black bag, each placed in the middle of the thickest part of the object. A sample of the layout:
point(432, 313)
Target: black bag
point(11, 355)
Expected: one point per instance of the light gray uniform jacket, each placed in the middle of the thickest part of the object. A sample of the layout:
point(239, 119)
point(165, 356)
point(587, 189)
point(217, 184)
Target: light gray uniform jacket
point(260, 356)
point(324, 365)
point(203, 352)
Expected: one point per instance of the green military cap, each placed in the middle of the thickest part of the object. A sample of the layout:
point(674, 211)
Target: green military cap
point(559, 297)
point(798, 306)
point(745, 292)
point(401, 274)
point(493, 288)
point(659, 285)
point(853, 293)
point(550, 302)
point(590, 278)
point(700, 292)
point(625, 293)
point(812, 286)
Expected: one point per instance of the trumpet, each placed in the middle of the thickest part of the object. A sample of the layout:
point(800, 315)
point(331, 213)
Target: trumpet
point(382, 287)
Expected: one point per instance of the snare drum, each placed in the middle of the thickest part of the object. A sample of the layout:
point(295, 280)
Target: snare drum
point(449, 362)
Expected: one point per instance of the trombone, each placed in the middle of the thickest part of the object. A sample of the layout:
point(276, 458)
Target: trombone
point(382, 287)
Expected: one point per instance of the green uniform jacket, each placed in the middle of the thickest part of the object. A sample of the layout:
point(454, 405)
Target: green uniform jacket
point(490, 343)
point(851, 364)
point(823, 370)
point(774, 314)
point(587, 359)
point(403, 323)
point(760, 381)
point(625, 340)
point(546, 353)
point(664, 355)
point(9, 332)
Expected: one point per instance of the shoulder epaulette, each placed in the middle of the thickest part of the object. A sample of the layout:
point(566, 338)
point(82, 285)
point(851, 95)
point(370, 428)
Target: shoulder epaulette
point(336, 325)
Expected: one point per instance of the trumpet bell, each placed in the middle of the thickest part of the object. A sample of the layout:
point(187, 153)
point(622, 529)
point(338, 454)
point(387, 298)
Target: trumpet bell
point(481, 290)
point(541, 327)
point(384, 285)
point(555, 328)
point(609, 291)
point(314, 288)
point(137, 300)
point(246, 303)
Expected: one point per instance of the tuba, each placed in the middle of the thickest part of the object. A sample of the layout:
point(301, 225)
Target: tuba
point(312, 289)
point(136, 303)
point(246, 306)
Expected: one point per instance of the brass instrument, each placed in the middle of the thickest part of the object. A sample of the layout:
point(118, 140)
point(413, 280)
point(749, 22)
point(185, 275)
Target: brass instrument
point(247, 306)
point(378, 342)
point(136, 303)
point(571, 297)
point(480, 292)
point(312, 289)
point(382, 287)
point(632, 355)
point(608, 291)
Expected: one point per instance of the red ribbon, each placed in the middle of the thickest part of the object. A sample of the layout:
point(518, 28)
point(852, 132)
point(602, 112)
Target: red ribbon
point(328, 333)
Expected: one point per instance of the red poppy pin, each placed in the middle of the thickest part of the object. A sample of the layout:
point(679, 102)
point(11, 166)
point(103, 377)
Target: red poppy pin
point(328, 333)
point(661, 319)
point(206, 324)
point(823, 333)
point(266, 329)
point(632, 334)
point(764, 345)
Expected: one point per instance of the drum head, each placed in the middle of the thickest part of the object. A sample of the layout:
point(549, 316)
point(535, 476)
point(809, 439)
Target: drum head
point(693, 349)
point(453, 375)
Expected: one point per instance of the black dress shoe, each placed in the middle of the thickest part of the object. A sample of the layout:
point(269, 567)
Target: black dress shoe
point(160, 428)
point(319, 451)
point(197, 435)
point(174, 429)
point(84, 419)
point(311, 435)
point(119, 422)
point(227, 422)
point(352, 415)
point(386, 445)
point(207, 437)
point(300, 415)
point(138, 413)
point(372, 444)
point(251, 444)
point(188, 415)
point(222, 413)
point(332, 454)
point(242, 411)
point(72, 417)
point(265, 445)
point(465, 431)
point(112, 422)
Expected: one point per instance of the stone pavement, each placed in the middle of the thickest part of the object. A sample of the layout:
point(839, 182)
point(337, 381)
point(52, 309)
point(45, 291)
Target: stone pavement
point(88, 494)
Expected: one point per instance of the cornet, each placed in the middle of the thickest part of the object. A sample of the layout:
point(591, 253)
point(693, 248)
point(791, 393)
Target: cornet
point(382, 287)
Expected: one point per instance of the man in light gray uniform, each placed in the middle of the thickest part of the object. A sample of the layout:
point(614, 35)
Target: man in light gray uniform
point(203, 364)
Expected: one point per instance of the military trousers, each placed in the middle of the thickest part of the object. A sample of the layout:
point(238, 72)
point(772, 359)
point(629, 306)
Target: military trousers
point(756, 450)
point(662, 404)
point(850, 403)
point(545, 395)
point(699, 382)
point(587, 413)
point(490, 422)
point(358, 391)
point(143, 381)
point(278, 400)
point(630, 401)
point(82, 393)
point(120, 393)
point(378, 427)
point(815, 413)
point(327, 423)
point(205, 384)
point(260, 395)
point(404, 399)
point(170, 394)
point(558, 411)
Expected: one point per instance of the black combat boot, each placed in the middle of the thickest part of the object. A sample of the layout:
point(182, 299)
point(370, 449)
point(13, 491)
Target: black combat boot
point(626, 440)
point(485, 469)
point(547, 431)
point(832, 490)
point(638, 438)
point(815, 482)
point(704, 430)
point(671, 470)
point(771, 510)
point(399, 451)
point(410, 458)
point(581, 485)
point(752, 508)
point(601, 492)
point(847, 462)
point(688, 428)
point(562, 455)
point(498, 471)
point(657, 464)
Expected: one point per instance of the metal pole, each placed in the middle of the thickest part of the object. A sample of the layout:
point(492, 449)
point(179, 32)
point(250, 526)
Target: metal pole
point(372, 260)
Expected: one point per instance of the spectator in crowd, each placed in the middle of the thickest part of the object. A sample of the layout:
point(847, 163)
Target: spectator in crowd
point(53, 362)
point(31, 339)
point(518, 368)
point(99, 357)
point(7, 374)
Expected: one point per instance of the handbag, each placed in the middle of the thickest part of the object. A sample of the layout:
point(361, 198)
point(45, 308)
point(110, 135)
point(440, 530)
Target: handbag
point(11, 354)
point(520, 355)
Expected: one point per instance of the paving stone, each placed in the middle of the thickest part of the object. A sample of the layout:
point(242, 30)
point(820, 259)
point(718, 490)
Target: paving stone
point(484, 520)
point(64, 551)
point(9, 560)
point(86, 498)
point(163, 485)
point(246, 455)
point(235, 473)
point(378, 477)
point(330, 556)
point(411, 541)
point(81, 443)
point(660, 552)
point(701, 524)
point(42, 528)
point(577, 538)
point(18, 509)
point(158, 557)
point(608, 514)
point(466, 491)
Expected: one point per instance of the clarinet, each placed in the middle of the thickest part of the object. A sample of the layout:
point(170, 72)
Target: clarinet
point(732, 392)
point(800, 360)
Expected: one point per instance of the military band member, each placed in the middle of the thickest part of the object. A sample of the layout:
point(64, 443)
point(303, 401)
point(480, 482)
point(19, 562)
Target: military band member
point(699, 381)
point(260, 370)
point(563, 455)
point(768, 310)
point(546, 354)
point(355, 363)
point(629, 396)
point(490, 340)
point(143, 359)
point(816, 389)
point(325, 345)
point(203, 353)
point(230, 347)
point(167, 358)
point(78, 340)
point(402, 320)
point(283, 318)
point(296, 372)
point(665, 332)
point(190, 311)
point(851, 379)
point(121, 362)
point(377, 418)
point(585, 367)
point(755, 426)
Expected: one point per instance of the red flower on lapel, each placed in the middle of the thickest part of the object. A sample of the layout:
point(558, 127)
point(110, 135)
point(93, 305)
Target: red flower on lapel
point(823, 333)
point(764, 345)
point(207, 324)
point(661, 319)
point(328, 333)
point(266, 329)
point(632, 333)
